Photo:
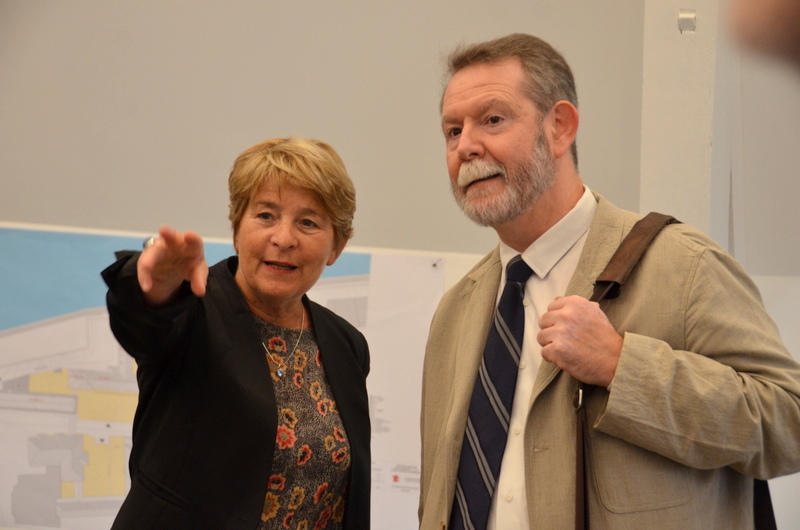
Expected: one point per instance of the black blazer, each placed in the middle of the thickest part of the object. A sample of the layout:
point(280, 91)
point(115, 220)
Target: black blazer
point(205, 426)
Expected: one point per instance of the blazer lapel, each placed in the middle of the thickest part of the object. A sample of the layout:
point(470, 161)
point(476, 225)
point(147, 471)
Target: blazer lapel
point(605, 234)
point(477, 297)
point(478, 302)
point(341, 368)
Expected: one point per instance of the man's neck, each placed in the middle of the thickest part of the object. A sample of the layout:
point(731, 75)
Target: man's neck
point(548, 210)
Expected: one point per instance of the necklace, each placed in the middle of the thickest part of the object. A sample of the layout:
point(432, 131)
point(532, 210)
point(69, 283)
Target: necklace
point(280, 367)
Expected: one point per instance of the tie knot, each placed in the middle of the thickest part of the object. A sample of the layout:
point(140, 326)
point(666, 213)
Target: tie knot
point(517, 270)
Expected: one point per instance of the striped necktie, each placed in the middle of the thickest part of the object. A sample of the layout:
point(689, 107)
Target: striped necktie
point(490, 405)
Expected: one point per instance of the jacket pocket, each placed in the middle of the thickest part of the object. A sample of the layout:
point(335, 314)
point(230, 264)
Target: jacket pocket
point(630, 479)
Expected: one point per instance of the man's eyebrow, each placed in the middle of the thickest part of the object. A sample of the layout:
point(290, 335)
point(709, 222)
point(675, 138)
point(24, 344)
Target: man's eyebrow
point(484, 107)
point(447, 120)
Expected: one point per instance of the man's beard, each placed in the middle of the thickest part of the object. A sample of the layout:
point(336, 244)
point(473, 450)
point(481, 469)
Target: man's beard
point(524, 185)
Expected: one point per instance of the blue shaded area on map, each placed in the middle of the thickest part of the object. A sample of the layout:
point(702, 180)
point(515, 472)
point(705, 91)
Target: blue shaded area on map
point(44, 274)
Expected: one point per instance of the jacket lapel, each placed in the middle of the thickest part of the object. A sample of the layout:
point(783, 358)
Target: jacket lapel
point(477, 296)
point(605, 234)
point(341, 368)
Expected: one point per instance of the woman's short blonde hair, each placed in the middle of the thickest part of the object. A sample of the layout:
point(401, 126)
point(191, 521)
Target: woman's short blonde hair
point(304, 163)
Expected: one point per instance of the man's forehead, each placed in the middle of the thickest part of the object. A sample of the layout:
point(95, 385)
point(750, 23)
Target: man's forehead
point(489, 81)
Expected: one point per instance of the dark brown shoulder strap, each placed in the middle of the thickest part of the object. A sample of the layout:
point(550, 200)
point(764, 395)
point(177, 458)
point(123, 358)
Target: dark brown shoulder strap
point(763, 513)
point(628, 255)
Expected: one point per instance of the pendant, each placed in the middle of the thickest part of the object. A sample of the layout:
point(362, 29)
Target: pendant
point(280, 369)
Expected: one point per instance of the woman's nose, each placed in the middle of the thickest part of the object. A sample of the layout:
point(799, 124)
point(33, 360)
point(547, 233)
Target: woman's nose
point(283, 236)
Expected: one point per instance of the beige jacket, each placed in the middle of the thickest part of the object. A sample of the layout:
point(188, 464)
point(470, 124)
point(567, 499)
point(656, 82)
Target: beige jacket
point(705, 394)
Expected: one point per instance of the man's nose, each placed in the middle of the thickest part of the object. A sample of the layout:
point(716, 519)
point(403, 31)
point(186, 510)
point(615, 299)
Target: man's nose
point(470, 143)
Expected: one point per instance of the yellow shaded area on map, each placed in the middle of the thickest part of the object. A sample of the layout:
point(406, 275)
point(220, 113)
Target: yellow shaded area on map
point(106, 405)
point(54, 382)
point(67, 490)
point(105, 473)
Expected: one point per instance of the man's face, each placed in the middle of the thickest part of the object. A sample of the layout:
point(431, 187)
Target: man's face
point(772, 26)
point(498, 156)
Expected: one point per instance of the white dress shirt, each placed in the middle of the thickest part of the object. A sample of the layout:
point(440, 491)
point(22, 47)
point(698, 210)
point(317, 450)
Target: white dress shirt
point(553, 258)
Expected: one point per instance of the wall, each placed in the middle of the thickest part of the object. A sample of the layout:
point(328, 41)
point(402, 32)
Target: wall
point(124, 115)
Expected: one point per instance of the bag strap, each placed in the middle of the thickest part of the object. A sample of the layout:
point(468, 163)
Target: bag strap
point(606, 287)
point(628, 254)
point(763, 513)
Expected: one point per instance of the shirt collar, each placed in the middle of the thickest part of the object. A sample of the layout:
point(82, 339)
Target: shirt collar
point(544, 253)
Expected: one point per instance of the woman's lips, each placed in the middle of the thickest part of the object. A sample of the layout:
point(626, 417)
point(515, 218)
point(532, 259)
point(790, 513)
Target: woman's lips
point(280, 265)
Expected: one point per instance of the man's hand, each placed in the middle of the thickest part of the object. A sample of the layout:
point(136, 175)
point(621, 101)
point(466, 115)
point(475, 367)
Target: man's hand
point(577, 337)
point(171, 259)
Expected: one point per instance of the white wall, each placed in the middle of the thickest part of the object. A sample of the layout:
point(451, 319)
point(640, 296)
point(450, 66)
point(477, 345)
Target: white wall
point(766, 194)
point(124, 115)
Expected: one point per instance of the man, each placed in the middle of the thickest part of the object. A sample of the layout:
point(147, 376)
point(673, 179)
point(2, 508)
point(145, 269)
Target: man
point(692, 392)
point(771, 26)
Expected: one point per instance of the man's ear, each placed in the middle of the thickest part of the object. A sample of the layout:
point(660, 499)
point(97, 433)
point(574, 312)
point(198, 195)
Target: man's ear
point(563, 121)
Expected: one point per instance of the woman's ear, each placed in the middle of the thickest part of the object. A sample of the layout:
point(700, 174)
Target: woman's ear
point(335, 253)
point(563, 119)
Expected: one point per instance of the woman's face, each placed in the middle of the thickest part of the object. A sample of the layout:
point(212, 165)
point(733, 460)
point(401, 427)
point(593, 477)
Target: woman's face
point(284, 241)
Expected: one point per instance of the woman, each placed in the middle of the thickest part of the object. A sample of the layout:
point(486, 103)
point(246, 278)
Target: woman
point(253, 405)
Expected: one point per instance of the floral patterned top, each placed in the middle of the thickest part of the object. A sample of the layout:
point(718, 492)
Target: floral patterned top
point(307, 487)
